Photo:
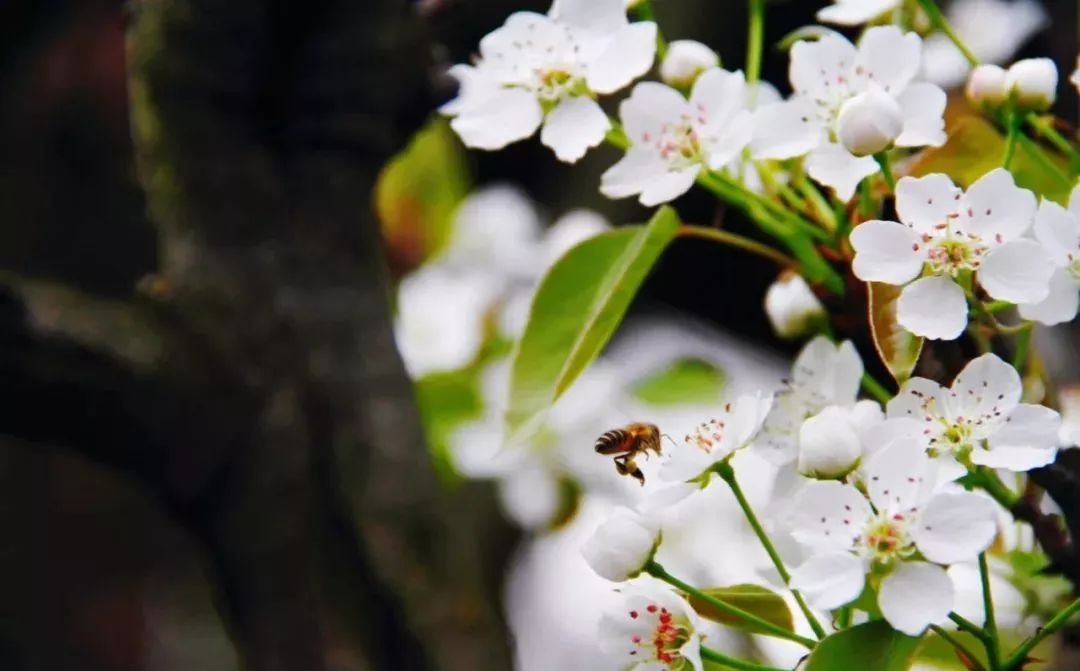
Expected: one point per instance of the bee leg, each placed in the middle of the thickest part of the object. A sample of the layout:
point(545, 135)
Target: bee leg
point(620, 464)
point(638, 475)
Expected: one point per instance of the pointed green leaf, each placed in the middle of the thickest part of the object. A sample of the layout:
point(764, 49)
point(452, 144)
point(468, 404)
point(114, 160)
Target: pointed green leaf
point(874, 645)
point(899, 349)
point(575, 311)
point(684, 381)
point(754, 599)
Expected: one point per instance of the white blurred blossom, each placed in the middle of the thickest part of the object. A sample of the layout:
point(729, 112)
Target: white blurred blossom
point(792, 308)
point(986, 85)
point(684, 61)
point(621, 546)
point(1033, 83)
point(1058, 230)
point(855, 12)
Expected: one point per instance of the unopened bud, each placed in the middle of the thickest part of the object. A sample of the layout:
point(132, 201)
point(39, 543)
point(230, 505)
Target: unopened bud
point(869, 122)
point(621, 546)
point(1034, 83)
point(829, 447)
point(685, 60)
point(986, 85)
point(792, 308)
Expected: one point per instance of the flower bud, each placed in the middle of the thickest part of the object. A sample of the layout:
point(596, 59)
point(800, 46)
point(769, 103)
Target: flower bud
point(828, 444)
point(869, 122)
point(621, 546)
point(986, 85)
point(685, 60)
point(1034, 83)
point(793, 309)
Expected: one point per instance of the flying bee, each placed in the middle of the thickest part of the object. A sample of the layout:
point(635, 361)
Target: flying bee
point(628, 443)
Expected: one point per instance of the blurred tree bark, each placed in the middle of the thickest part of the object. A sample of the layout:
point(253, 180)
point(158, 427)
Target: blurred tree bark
point(253, 384)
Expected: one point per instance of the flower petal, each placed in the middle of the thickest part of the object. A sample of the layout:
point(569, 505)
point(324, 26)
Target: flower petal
point(503, 116)
point(1058, 230)
point(986, 390)
point(933, 307)
point(925, 202)
point(915, 596)
point(785, 130)
point(1027, 439)
point(817, 66)
point(1018, 271)
point(997, 209)
point(626, 57)
point(923, 108)
point(641, 171)
point(650, 106)
point(836, 167)
point(919, 399)
point(598, 16)
point(575, 125)
point(955, 527)
point(830, 580)
point(886, 251)
point(896, 477)
point(1060, 304)
point(829, 516)
point(889, 57)
point(854, 12)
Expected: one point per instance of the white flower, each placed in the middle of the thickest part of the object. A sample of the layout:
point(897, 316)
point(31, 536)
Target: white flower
point(684, 61)
point(946, 233)
point(652, 630)
point(539, 69)
point(828, 73)
point(673, 139)
point(992, 29)
point(1034, 83)
point(829, 444)
point(1075, 78)
point(717, 439)
point(869, 122)
point(980, 419)
point(986, 85)
point(854, 12)
point(441, 313)
point(823, 374)
point(1058, 230)
point(621, 546)
point(792, 308)
point(496, 227)
point(847, 536)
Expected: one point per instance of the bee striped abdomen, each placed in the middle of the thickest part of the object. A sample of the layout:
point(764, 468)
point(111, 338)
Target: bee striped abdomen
point(614, 442)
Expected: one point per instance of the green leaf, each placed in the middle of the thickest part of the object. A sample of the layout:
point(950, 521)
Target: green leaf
point(899, 349)
point(754, 599)
point(574, 312)
point(975, 147)
point(684, 381)
point(874, 645)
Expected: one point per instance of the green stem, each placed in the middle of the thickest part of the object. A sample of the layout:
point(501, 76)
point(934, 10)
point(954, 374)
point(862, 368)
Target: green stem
point(992, 485)
point(1045, 161)
point(825, 214)
point(967, 625)
point(1023, 346)
point(737, 241)
point(1012, 128)
point(866, 200)
point(955, 643)
point(733, 663)
point(754, 42)
point(764, 626)
point(938, 20)
point(993, 648)
point(711, 180)
point(727, 473)
point(1016, 659)
point(882, 159)
point(875, 388)
point(1046, 130)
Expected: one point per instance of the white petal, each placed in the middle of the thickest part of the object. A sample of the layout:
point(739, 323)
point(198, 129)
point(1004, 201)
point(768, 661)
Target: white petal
point(919, 399)
point(721, 94)
point(530, 496)
point(933, 307)
point(830, 373)
point(854, 12)
point(1026, 440)
point(686, 462)
point(895, 477)
point(650, 106)
point(599, 16)
point(785, 130)
point(886, 251)
point(889, 57)
point(634, 173)
point(1058, 230)
point(628, 56)
point(1018, 459)
point(621, 545)
point(923, 109)
point(1018, 271)
point(1060, 304)
point(816, 67)
point(915, 596)
point(832, 165)
point(727, 142)
point(525, 41)
point(669, 186)
point(829, 447)
point(997, 209)
point(506, 116)
point(575, 125)
point(925, 202)
point(955, 527)
point(829, 515)
point(1074, 197)
point(830, 580)
point(747, 415)
point(987, 389)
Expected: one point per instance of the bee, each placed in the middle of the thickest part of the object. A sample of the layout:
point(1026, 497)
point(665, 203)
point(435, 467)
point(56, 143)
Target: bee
point(628, 443)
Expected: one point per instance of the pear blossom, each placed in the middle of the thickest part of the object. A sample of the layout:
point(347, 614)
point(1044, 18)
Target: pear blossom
point(1033, 82)
point(621, 546)
point(825, 76)
point(684, 61)
point(986, 85)
point(1058, 230)
point(902, 531)
point(545, 70)
point(993, 30)
point(869, 122)
point(945, 235)
point(652, 630)
point(979, 419)
point(792, 308)
point(830, 444)
point(715, 440)
point(495, 227)
point(673, 139)
point(855, 12)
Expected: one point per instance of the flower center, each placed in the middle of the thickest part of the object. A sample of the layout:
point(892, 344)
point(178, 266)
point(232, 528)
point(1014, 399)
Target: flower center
point(708, 434)
point(666, 639)
point(552, 84)
point(679, 143)
point(886, 538)
point(951, 255)
point(955, 439)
